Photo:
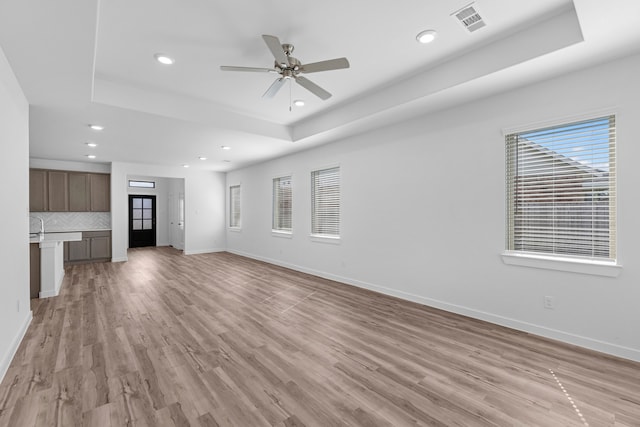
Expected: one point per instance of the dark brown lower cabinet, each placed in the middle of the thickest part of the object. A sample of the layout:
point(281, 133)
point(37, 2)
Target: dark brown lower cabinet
point(34, 269)
point(95, 246)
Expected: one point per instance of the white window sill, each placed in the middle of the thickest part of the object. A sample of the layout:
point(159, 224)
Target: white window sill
point(281, 233)
point(592, 267)
point(235, 229)
point(323, 238)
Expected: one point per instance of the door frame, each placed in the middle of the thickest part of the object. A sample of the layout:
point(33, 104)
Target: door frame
point(152, 242)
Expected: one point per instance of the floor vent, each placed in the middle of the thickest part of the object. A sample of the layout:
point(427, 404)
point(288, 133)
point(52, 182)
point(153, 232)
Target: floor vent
point(469, 18)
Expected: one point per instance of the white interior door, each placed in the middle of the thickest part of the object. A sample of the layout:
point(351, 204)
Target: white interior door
point(180, 228)
point(176, 220)
point(173, 218)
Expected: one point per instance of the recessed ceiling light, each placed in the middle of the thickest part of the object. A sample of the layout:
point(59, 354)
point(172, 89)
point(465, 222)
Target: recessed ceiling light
point(91, 144)
point(224, 147)
point(96, 127)
point(426, 36)
point(164, 59)
point(185, 166)
point(91, 156)
point(202, 158)
point(298, 103)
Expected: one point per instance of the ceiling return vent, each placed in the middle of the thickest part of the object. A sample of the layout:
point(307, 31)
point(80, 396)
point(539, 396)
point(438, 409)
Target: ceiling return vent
point(469, 17)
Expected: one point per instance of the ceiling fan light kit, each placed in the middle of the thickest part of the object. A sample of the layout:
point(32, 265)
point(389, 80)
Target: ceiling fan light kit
point(290, 68)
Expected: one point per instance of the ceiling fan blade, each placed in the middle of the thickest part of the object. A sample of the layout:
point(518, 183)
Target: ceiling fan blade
point(331, 64)
point(313, 88)
point(251, 69)
point(274, 88)
point(274, 45)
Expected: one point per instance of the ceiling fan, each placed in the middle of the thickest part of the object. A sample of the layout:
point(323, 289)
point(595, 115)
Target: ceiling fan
point(290, 68)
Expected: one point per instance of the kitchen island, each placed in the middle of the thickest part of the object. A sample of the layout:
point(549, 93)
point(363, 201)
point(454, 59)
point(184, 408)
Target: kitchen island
point(52, 259)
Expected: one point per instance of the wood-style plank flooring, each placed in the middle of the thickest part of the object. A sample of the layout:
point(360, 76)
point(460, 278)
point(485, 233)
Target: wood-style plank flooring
point(220, 340)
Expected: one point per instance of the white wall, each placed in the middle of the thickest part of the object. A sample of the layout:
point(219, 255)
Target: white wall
point(423, 214)
point(204, 206)
point(65, 165)
point(15, 313)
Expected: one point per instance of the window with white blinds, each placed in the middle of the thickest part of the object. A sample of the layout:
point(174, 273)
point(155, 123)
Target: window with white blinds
point(325, 202)
point(561, 190)
point(235, 218)
point(282, 200)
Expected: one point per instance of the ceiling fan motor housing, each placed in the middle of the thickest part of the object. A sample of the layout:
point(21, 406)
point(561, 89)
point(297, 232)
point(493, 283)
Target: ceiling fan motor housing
point(290, 70)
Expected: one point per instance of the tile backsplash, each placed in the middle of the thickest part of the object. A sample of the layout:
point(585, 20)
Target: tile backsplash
point(74, 221)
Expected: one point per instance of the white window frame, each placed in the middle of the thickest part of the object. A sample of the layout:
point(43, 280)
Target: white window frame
point(326, 237)
point(276, 230)
point(232, 225)
point(578, 264)
point(139, 183)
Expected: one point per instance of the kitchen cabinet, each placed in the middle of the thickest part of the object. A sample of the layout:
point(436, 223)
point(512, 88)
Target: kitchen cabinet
point(67, 191)
point(79, 192)
point(48, 191)
point(94, 246)
point(78, 251)
point(38, 190)
point(100, 246)
point(58, 191)
point(34, 270)
point(100, 190)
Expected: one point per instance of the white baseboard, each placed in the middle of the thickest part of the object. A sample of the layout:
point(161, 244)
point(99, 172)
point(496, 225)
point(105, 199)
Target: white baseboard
point(47, 294)
point(190, 252)
point(15, 343)
point(203, 251)
point(586, 342)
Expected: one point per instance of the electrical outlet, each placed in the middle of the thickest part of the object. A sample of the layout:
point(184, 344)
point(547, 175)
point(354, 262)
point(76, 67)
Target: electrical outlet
point(549, 302)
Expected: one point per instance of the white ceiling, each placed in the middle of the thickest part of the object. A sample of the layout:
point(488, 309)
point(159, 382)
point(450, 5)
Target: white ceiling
point(92, 62)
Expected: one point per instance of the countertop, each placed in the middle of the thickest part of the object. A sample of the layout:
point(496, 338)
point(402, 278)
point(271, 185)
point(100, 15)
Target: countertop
point(78, 231)
point(55, 236)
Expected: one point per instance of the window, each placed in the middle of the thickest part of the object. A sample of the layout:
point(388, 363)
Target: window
point(561, 190)
point(142, 184)
point(235, 218)
point(325, 202)
point(282, 204)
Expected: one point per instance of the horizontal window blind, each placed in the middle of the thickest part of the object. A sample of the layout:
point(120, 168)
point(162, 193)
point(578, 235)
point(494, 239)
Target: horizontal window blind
point(561, 190)
point(282, 200)
point(235, 218)
point(325, 202)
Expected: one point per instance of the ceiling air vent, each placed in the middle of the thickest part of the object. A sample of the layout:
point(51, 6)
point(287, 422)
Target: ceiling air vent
point(469, 18)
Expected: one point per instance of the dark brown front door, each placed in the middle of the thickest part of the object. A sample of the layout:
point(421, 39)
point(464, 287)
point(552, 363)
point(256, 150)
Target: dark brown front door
point(142, 221)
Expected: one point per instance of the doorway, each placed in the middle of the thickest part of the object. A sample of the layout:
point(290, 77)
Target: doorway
point(142, 221)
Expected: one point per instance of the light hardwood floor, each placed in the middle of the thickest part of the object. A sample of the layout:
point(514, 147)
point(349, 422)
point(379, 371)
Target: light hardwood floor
point(217, 339)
